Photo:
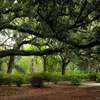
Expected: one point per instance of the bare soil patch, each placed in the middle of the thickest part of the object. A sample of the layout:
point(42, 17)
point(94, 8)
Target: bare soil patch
point(49, 92)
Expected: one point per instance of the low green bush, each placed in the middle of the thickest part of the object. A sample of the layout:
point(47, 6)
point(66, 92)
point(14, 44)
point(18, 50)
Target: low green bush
point(98, 77)
point(27, 79)
point(92, 76)
point(8, 79)
point(36, 80)
point(75, 80)
point(82, 76)
point(55, 78)
point(45, 76)
point(68, 77)
point(2, 79)
point(18, 80)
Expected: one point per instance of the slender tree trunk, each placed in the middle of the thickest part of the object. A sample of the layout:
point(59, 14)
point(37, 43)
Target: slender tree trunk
point(44, 63)
point(86, 67)
point(10, 64)
point(64, 66)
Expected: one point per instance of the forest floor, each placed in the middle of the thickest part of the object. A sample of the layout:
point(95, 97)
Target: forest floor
point(52, 92)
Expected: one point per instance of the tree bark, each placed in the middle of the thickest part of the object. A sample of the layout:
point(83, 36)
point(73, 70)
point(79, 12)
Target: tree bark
point(64, 66)
point(10, 64)
point(16, 52)
point(44, 63)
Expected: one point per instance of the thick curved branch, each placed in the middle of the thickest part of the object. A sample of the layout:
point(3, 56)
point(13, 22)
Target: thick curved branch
point(13, 52)
point(31, 32)
point(89, 45)
point(32, 42)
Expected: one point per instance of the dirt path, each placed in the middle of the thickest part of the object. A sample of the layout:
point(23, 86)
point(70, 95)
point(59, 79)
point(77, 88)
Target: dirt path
point(50, 92)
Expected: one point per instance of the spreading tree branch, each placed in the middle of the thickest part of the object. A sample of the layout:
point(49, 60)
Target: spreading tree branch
point(81, 11)
point(13, 52)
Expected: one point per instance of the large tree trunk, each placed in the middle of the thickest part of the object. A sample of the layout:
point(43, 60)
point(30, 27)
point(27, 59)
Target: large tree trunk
point(12, 57)
point(44, 63)
point(10, 64)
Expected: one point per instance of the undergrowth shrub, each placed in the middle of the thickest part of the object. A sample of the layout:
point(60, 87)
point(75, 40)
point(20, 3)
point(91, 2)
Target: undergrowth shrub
point(98, 77)
point(18, 80)
point(65, 78)
point(82, 76)
point(27, 79)
point(45, 76)
point(55, 78)
point(8, 79)
point(2, 79)
point(92, 76)
point(36, 80)
point(68, 77)
point(75, 80)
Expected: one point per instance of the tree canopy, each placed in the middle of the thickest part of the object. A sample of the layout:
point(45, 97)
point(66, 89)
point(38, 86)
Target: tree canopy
point(58, 25)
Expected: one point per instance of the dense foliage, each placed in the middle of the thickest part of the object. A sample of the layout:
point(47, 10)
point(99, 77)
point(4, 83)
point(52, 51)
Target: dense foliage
point(61, 37)
point(63, 24)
